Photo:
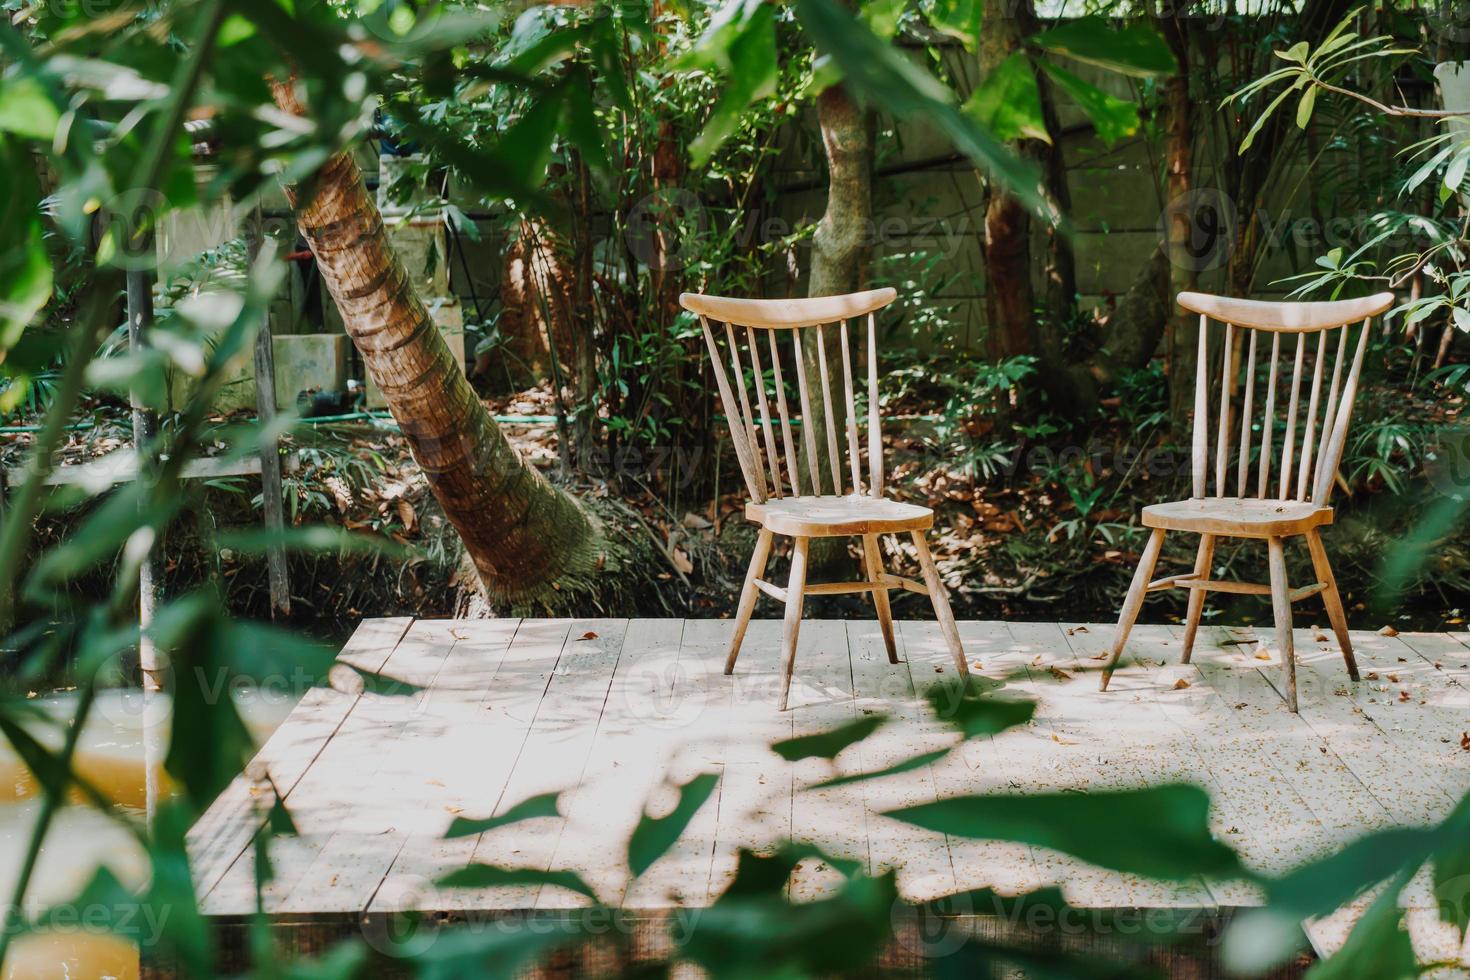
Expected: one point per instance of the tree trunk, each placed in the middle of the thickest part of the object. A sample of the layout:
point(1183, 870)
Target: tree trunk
point(841, 242)
point(523, 534)
point(1013, 300)
point(1182, 333)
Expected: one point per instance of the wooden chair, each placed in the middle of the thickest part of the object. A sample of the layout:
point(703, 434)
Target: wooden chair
point(1285, 500)
point(787, 496)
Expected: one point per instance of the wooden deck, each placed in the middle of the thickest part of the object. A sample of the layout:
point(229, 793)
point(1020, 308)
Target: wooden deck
point(612, 708)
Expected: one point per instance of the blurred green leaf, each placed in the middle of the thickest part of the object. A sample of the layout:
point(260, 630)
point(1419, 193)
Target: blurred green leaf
point(653, 836)
point(25, 267)
point(26, 109)
point(970, 706)
point(751, 932)
point(1378, 948)
point(543, 805)
point(753, 68)
point(1159, 831)
point(882, 76)
point(1135, 49)
point(1008, 101)
point(959, 19)
point(491, 876)
point(907, 765)
point(826, 745)
point(310, 539)
point(481, 953)
point(1112, 117)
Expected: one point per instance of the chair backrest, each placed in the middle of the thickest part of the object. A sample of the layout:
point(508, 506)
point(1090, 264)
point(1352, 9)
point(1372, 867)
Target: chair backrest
point(1315, 429)
point(742, 365)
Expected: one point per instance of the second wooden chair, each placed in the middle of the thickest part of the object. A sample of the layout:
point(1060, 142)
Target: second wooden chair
point(787, 494)
point(1283, 501)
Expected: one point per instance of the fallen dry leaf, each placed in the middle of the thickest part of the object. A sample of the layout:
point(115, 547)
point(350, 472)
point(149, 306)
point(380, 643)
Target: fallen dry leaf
point(1388, 631)
point(681, 561)
point(1465, 741)
point(1180, 684)
point(406, 514)
point(1059, 673)
point(1263, 654)
point(1074, 630)
point(1403, 695)
point(589, 635)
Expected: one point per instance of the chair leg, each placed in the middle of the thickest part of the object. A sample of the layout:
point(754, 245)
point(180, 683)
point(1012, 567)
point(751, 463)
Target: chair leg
point(1197, 596)
point(1332, 600)
point(748, 595)
point(795, 588)
point(873, 564)
point(1134, 602)
point(940, 599)
point(1281, 606)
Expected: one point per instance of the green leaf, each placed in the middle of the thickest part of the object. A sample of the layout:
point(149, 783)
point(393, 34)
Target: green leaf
point(311, 539)
point(501, 953)
point(1160, 831)
point(826, 745)
point(52, 776)
point(753, 931)
point(907, 765)
point(490, 876)
point(544, 805)
point(883, 16)
point(1135, 49)
point(969, 707)
point(655, 835)
point(751, 54)
point(26, 108)
point(25, 268)
point(1452, 868)
point(1008, 101)
point(1378, 948)
point(1112, 117)
point(880, 75)
point(1304, 107)
point(1454, 174)
point(959, 19)
point(1296, 53)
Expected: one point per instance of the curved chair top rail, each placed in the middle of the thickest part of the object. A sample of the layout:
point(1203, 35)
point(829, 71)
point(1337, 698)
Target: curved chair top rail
point(1311, 411)
point(787, 313)
point(1286, 316)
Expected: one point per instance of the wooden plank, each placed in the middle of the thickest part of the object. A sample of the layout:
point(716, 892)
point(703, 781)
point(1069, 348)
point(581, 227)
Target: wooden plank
point(981, 765)
point(504, 709)
point(370, 750)
point(224, 831)
point(1269, 824)
point(1089, 746)
point(756, 790)
point(1342, 803)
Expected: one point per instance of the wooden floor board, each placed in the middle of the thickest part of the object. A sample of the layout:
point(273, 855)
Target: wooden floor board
point(615, 714)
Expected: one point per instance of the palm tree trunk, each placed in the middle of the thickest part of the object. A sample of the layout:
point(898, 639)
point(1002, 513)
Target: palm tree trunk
point(523, 534)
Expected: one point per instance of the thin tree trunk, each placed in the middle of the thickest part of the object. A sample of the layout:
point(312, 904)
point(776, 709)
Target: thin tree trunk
point(1182, 332)
point(1010, 294)
point(841, 243)
point(524, 535)
point(1025, 315)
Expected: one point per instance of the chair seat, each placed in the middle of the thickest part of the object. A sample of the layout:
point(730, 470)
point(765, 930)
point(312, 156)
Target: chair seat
point(818, 517)
point(1238, 516)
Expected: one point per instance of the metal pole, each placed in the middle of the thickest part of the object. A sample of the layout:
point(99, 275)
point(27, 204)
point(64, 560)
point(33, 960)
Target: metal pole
point(270, 457)
point(150, 579)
